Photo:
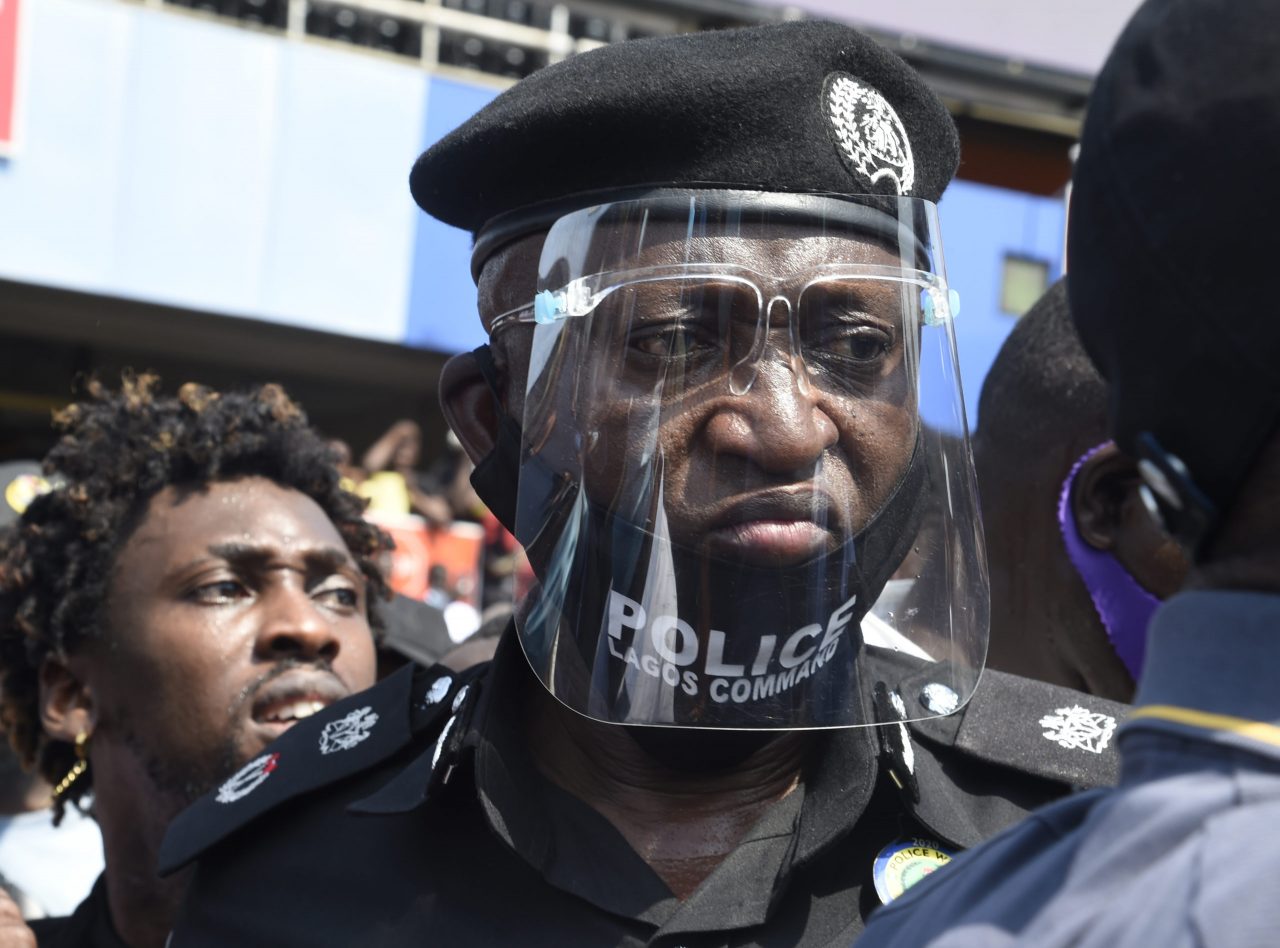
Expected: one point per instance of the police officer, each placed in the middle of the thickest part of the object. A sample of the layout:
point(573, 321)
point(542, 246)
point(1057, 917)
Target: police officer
point(1181, 853)
point(719, 409)
point(1077, 566)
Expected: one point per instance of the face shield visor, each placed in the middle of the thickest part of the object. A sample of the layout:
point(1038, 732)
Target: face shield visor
point(745, 486)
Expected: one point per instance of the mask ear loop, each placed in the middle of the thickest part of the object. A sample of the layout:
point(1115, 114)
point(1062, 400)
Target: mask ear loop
point(488, 371)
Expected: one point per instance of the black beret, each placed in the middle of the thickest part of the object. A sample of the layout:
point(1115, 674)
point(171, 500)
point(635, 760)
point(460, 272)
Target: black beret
point(805, 106)
point(1174, 228)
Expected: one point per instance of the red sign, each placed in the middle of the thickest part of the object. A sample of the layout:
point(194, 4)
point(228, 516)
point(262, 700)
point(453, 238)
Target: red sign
point(9, 49)
point(459, 548)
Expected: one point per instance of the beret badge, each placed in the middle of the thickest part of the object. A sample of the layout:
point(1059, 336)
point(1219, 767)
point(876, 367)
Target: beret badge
point(870, 137)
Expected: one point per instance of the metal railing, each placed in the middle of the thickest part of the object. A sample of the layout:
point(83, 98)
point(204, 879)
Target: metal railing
point(502, 39)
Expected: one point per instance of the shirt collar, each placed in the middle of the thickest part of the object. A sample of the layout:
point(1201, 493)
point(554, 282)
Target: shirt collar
point(577, 849)
point(1207, 656)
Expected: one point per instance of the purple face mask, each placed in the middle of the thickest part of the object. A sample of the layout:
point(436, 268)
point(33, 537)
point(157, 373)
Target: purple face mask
point(1124, 607)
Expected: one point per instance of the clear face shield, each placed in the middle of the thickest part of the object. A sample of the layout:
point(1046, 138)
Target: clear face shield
point(745, 485)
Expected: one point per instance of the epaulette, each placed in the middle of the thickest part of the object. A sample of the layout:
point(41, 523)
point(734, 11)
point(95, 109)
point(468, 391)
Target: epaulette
point(1036, 728)
point(1017, 745)
point(349, 736)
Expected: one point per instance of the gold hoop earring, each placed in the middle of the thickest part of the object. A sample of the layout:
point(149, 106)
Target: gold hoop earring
point(77, 769)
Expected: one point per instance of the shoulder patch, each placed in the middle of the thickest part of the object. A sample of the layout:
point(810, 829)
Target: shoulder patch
point(349, 736)
point(248, 778)
point(1077, 728)
point(348, 731)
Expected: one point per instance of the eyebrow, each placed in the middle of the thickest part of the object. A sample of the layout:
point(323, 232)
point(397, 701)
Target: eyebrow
point(330, 558)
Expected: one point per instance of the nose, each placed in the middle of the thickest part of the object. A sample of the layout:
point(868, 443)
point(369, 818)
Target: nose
point(294, 626)
point(779, 424)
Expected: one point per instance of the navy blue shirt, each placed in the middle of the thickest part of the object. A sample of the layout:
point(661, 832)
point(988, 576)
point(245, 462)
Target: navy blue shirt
point(1181, 853)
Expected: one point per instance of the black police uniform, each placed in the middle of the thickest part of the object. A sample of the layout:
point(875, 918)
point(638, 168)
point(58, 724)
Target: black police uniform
point(413, 813)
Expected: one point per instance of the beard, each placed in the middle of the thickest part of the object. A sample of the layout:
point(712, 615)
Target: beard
point(181, 775)
point(183, 768)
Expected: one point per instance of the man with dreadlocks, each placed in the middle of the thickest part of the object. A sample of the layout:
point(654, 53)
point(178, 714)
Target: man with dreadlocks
point(196, 584)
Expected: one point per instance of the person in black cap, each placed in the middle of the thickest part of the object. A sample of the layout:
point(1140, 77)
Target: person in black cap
point(1179, 853)
point(1077, 566)
point(719, 409)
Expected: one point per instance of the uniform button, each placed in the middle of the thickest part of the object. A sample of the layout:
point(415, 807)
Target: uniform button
point(436, 693)
point(939, 699)
point(460, 697)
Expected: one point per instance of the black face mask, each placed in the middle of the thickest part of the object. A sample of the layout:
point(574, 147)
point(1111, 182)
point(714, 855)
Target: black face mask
point(566, 614)
point(496, 478)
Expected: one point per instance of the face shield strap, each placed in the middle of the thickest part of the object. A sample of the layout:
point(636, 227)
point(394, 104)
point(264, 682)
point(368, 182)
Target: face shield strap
point(762, 614)
point(877, 217)
point(510, 226)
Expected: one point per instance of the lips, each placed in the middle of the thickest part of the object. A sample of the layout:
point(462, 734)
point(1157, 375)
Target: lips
point(774, 528)
point(777, 505)
point(293, 696)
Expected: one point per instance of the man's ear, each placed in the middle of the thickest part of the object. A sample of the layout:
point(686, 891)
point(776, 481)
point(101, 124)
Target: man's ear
point(67, 708)
point(469, 406)
point(1098, 496)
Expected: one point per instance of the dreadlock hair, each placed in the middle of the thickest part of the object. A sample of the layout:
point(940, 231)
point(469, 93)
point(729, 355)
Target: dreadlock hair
point(117, 450)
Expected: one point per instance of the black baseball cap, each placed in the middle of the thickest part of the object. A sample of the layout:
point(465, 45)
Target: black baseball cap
point(1174, 238)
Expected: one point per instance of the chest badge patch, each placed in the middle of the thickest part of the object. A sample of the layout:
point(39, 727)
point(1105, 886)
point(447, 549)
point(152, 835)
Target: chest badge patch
point(901, 865)
point(248, 778)
point(1077, 728)
point(348, 731)
point(869, 135)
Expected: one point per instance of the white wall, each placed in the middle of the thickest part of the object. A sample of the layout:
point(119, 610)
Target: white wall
point(1073, 35)
point(177, 160)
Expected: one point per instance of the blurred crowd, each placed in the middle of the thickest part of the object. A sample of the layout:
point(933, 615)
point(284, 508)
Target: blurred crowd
point(450, 551)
